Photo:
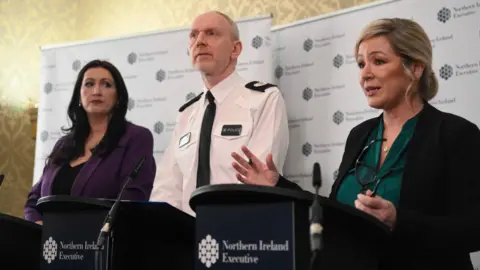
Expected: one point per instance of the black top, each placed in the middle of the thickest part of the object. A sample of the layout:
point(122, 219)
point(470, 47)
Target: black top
point(438, 216)
point(62, 185)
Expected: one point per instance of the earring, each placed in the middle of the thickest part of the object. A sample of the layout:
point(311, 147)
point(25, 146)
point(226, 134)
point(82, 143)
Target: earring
point(79, 104)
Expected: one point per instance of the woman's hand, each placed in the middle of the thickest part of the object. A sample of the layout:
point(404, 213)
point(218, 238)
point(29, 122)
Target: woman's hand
point(255, 172)
point(378, 207)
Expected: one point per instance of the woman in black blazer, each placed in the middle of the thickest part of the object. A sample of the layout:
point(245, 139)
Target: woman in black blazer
point(413, 167)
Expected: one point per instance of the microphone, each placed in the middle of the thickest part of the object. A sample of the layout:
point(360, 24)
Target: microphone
point(109, 219)
point(316, 211)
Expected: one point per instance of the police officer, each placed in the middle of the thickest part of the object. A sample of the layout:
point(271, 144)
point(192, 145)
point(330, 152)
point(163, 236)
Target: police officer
point(228, 114)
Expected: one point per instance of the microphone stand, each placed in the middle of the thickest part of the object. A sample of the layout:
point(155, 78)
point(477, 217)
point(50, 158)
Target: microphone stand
point(316, 212)
point(105, 232)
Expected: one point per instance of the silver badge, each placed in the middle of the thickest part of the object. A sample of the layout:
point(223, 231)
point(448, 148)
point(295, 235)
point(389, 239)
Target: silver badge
point(184, 140)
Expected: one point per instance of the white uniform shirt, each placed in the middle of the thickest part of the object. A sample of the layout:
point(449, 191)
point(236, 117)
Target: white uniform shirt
point(264, 129)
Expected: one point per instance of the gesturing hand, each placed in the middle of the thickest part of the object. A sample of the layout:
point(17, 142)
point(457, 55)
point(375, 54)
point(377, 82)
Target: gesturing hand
point(255, 172)
point(378, 207)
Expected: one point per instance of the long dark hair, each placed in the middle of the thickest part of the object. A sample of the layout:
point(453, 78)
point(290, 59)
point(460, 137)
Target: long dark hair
point(72, 145)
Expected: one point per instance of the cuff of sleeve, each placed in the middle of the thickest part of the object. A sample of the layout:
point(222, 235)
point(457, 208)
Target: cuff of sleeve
point(285, 183)
point(32, 215)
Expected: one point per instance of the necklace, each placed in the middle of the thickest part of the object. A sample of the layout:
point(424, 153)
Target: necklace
point(385, 147)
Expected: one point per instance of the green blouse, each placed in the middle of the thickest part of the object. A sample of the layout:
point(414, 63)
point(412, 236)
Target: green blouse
point(391, 171)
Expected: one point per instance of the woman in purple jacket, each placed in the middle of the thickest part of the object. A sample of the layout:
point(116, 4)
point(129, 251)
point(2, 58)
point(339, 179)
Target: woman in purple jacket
point(100, 148)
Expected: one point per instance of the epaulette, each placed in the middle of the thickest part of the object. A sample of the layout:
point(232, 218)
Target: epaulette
point(259, 86)
point(190, 102)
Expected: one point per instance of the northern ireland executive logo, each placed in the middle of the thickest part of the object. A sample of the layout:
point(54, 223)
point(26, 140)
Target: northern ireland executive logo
point(131, 104)
point(444, 15)
point(160, 75)
point(338, 61)
point(48, 88)
point(308, 44)
point(132, 58)
point(446, 71)
point(208, 251)
point(44, 136)
point(306, 149)
point(307, 93)
point(278, 72)
point(338, 117)
point(50, 250)
point(158, 127)
point(76, 65)
point(257, 42)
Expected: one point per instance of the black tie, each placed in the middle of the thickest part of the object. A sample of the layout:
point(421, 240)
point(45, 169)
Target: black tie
point(203, 171)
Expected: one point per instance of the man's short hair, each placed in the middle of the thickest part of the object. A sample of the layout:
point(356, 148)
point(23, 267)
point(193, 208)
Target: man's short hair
point(233, 24)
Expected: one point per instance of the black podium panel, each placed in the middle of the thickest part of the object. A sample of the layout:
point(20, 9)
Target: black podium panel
point(144, 235)
point(245, 227)
point(19, 243)
point(251, 236)
point(351, 239)
point(70, 231)
point(235, 221)
point(150, 235)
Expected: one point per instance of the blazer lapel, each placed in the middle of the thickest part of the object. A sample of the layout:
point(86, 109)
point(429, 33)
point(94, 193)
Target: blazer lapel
point(52, 177)
point(87, 171)
point(84, 175)
point(427, 122)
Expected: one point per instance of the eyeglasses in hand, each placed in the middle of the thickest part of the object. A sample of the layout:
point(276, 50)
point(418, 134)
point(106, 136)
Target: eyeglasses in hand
point(367, 174)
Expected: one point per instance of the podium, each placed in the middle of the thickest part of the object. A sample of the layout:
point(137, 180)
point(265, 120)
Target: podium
point(19, 243)
point(258, 227)
point(145, 235)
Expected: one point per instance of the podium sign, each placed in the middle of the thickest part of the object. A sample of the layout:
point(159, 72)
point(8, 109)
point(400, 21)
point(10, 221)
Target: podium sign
point(69, 240)
point(249, 236)
point(255, 227)
point(144, 234)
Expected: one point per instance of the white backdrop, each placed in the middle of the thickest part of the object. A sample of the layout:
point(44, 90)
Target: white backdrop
point(316, 71)
point(157, 71)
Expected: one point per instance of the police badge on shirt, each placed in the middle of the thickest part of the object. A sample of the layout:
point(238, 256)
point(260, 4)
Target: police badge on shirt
point(231, 130)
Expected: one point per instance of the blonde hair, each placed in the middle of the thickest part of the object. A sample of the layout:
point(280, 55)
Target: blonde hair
point(409, 41)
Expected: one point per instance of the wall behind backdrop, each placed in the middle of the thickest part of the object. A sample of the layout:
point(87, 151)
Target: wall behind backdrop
point(27, 24)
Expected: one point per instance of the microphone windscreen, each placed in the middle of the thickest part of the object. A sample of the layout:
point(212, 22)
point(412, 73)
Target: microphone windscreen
point(317, 175)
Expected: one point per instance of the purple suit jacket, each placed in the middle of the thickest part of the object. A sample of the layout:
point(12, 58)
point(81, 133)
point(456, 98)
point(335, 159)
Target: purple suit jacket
point(104, 177)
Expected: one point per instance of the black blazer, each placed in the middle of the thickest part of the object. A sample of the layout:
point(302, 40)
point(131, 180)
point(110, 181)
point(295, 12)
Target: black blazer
point(438, 216)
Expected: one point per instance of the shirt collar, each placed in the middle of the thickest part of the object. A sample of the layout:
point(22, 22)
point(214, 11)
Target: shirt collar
point(223, 88)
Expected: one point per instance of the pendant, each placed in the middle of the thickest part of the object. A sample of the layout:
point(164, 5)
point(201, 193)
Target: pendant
point(385, 149)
